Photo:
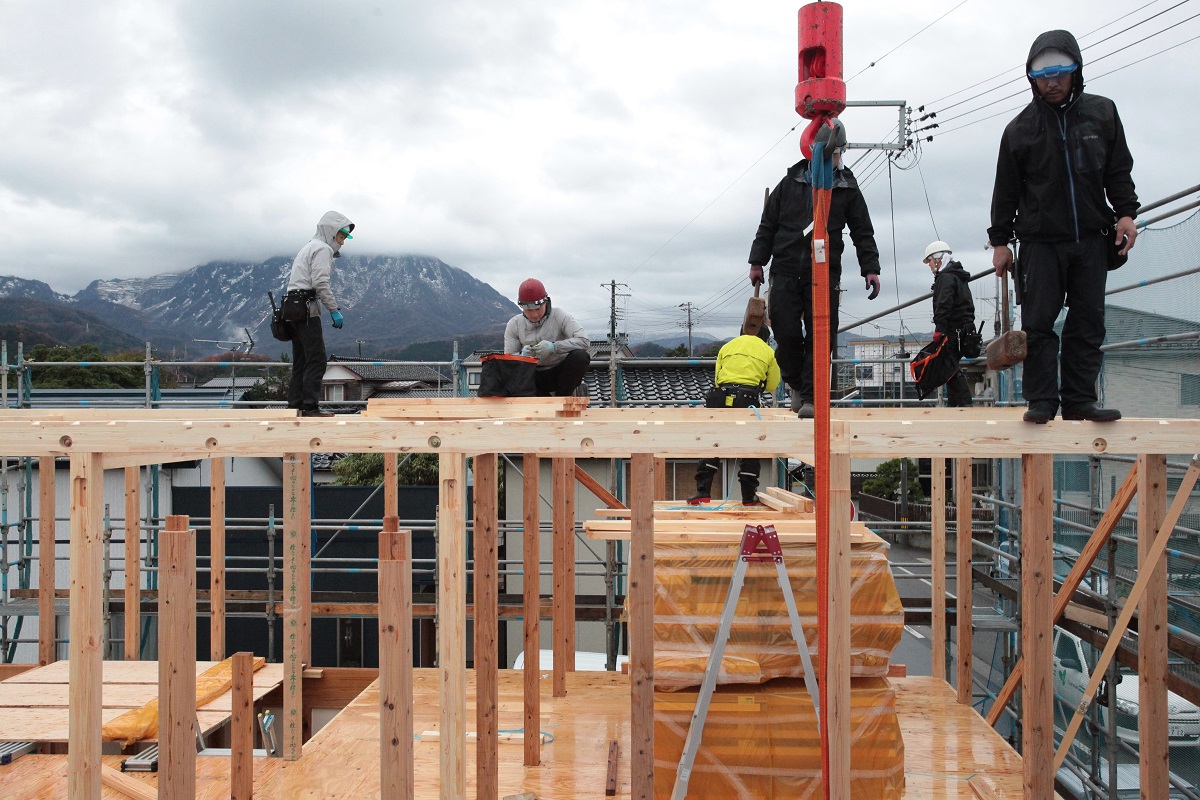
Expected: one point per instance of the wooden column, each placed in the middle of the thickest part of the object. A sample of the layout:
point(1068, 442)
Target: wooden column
point(391, 500)
point(396, 775)
point(660, 479)
point(133, 563)
point(241, 753)
point(177, 661)
point(487, 628)
point(297, 596)
point(47, 630)
point(937, 560)
point(86, 621)
point(452, 622)
point(563, 515)
point(837, 707)
point(1037, 623)
point(1153, 749)
point(216, 561)
point(530, 507)
point(963, 588)
point(643, 480)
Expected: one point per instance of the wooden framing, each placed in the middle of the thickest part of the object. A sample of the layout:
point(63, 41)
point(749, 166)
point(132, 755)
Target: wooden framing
point(1152, 628)
point(297, 594)
point(177, 651)
point(395, 661)
point(531, 586)
point(563, 515)
point(216, 561)
point(487, 627)
point(241, 745)
point(963, 589)
point(96, 441)
point(937, 558)
point(133, 562)
point(47, 630)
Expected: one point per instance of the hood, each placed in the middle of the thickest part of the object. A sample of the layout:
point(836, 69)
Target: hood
point(1059, 40)
point(328, 227)
point(843, 178)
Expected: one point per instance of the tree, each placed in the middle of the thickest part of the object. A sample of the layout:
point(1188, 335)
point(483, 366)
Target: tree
point(677, 352)
point(87, 375)
point(712, 351)
point(274, 385)
point(886, 483)
point(366, 469)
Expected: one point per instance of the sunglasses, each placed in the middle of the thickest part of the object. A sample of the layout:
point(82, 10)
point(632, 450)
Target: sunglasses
point(1052, 72)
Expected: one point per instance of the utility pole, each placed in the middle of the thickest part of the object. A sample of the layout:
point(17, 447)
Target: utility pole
point(612, 341)
point(688, 308)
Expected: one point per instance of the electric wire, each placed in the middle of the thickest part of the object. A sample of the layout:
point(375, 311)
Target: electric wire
point(906, 41)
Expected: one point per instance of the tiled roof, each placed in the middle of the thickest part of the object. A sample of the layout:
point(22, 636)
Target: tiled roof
point(382, 373)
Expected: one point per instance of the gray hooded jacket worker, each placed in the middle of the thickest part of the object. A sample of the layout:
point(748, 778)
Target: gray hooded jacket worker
point(313, 265)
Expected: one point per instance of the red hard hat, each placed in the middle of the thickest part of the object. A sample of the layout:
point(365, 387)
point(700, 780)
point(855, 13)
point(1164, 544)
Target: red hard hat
point(531, 291)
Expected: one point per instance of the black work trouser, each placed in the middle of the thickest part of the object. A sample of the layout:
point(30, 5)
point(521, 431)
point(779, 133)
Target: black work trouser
point(748, 468)
point(792, 325)
point(564, 377)
point(958, 390)
point(1053, 275)
point(308, 364)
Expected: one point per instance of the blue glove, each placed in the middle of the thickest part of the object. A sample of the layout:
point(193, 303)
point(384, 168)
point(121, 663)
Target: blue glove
point(527, 351)
point(543, 349)
point(338, 320)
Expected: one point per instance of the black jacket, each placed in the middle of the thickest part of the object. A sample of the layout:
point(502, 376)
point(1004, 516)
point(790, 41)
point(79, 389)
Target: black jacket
point(781, 238)
point(1060, 168)
point(953, 306)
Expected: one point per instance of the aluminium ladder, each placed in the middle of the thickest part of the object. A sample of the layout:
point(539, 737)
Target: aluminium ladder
point(760, 543)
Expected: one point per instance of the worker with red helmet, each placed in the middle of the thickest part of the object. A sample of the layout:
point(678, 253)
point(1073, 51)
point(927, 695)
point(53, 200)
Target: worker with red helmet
point(550, 335)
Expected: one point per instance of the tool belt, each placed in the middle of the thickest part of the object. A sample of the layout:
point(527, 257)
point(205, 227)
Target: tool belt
point(733, 395)
point(295, 304)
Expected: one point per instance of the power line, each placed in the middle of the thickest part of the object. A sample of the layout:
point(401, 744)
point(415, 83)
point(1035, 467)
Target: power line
point(906, 41)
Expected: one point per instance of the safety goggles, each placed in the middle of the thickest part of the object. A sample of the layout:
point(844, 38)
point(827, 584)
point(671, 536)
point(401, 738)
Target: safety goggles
point(345, 233)
point(534, 304)
point(1052, 71)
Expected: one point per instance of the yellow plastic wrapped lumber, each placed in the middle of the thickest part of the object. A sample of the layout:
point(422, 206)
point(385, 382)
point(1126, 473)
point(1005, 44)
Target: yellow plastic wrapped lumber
point(762, 741)
point(139, 724)
point(691, 584)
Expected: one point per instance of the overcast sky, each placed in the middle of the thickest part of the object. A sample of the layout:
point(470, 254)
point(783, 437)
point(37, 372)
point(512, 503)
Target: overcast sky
point(576, 141)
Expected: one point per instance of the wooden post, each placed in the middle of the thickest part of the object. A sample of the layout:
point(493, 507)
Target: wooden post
point(396, 775)
point(133, 563)
point(531, 583)
point(86, 620)
point(216, 560)
point(641, 625)
point(1153, 749)
point(937, 559)
point(241, 753)
point(487, 633)
point(837, 706)
point(297, 531)
point(1037, 623)
point(391, 499)
point(452, 622)
point(563, 515)
point(177, 661)
point(47, 630)
point(660, 479)
point(963, 583)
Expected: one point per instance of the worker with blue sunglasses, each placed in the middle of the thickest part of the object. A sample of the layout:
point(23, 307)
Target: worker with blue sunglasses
point(1064, 189)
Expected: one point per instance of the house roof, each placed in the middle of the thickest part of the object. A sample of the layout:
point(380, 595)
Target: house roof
point(1128, 324)
point(376, 372)
point(78, 398)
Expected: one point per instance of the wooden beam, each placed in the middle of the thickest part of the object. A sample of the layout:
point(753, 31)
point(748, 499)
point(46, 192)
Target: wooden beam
point(602, 494)
point(452, 622)
point(937, 557)
point(1146, 575)
point(487, 634)
point(86, 621)
point(641, 626)
point(1112, 515)
point(1037, 623)
point(837, 707)
point(562, 514)
point(963, 584)
point(133, 563)
point(297, 594)
point(391, 492)
point(177, 661)
point(396, 765)
point(241, 728)
point(531, 585)
point(125, 784)
point(216, 561)
point(1153, 753)
point(47, 628)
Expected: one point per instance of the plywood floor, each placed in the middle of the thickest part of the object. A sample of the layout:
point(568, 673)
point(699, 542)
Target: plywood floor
point(946, 746)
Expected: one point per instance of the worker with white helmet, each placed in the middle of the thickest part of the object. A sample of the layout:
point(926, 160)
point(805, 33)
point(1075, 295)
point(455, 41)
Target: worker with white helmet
point(953, 312)
point(550, 335)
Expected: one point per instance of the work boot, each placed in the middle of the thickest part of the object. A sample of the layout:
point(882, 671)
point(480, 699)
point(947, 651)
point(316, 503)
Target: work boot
point(795, 400)
point(699, 499)
point(749, 494)
point(807, 410)
point(1091, 413)
point(1040, 413)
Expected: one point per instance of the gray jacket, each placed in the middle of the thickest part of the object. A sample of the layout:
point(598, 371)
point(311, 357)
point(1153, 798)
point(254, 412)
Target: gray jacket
point(556, 326)
point(313, 265)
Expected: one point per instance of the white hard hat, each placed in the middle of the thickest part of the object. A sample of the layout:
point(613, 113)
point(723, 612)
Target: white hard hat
point(935, 248)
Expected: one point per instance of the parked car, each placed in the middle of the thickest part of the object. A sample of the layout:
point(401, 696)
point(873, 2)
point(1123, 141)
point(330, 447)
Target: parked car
point(1073, 664)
